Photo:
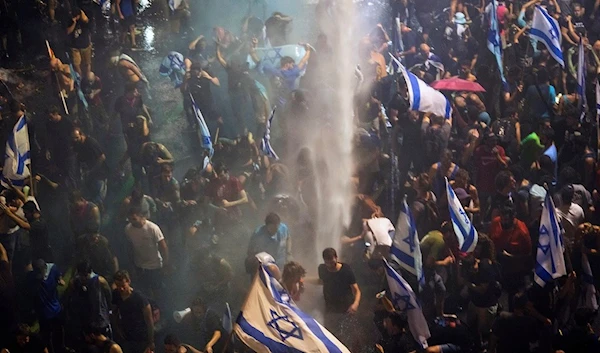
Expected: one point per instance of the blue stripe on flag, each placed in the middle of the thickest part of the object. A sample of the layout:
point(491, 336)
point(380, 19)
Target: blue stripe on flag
point(468, 237)
point(537, 33)
point(550, 20)
point(271, 344)
point(447, 115)
point(416, 91)
point(541, 272)
point(402, 256)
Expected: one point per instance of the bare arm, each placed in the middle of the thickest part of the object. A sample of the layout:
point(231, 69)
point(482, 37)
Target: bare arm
point(215, 337)
point(119, 9)
point(164, 251)
point(96, 217)
point(220, 58)
point(193, 43)
point(304, 60)
point(3, 254)
point(242, 200)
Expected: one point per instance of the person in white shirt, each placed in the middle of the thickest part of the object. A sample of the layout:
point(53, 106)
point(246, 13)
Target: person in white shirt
point(570, 214)
point(149, 250)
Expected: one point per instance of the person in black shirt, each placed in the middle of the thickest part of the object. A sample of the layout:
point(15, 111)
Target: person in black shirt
point(92, 162)
point(59, 148)
point(96, 338)
point(514, 332)
point(395, 336)
point(341, 292)
point(38, 233)
point(203, 328)
point(132, 316)
point(198, 84)
point(24, 342)
point(80, 42)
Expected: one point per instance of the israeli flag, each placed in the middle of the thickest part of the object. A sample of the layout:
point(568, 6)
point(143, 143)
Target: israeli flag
point(228, 320)
point(271, 322)
point(589, 299)
point(423, 98)
point(550, 260)
point(545, 29)
point(265, 143)
point(272, 56)
point(463, 227)
point(405, 300)
point(77, 80)
point(17, 155)
point(581, 69)
point(205, 140)
point(406, 249)
point(493, 41)
point(173, 65)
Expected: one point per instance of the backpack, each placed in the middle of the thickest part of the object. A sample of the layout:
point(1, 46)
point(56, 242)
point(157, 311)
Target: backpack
point(505, 130)
point(428, 220)
point(433, 143)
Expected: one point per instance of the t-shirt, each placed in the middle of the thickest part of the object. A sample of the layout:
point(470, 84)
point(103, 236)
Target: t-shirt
point(488, 166)
point(275, 245)
point(88, 154)
point(514, 333)
point(530, 149)
point(38, 238)
point(128, 108)
point(433, 245)
point(127, 8)
point(199, 87)
point(59, 139)
point(80, 37)
point(87, 87)
point(145, 245)
point(131, 312)
point(539, 105)
point(515, 241)
point(228, 190)
point(337, 288)
point(197, 331)
point(46, 302)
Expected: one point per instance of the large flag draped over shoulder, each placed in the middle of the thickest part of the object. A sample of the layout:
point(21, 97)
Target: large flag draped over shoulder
point(204, 134)
point(270, 322)
point(16, 156)
point(405, 300)
point(493, 41)
point(173, 65)
point(550, 259)
point(581, 69)
point(546, 29)
point(405, 249)
point(423, 98)
point(272, 56)
point(265, 143)
point(463, 227)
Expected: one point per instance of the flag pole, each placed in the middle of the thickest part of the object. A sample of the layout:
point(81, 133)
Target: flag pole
point(235, 324)
point(62, 97)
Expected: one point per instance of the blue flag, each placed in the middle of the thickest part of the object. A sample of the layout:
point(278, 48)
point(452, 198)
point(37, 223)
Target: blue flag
point(546, 29)
point(265, 143)
point(463, 227)
point(17, 155)
point(271, 322)
point(406, 249)
point(204, 134)
point(550, 260)
point(404, 300)
point(77, 80)
point(493, 41)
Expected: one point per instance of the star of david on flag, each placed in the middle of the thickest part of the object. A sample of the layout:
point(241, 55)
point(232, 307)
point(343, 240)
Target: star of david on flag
point(17, 155)
point(406, 249)
point(405, 300)
point(271, 322)
point(546, 29)
point(272, 56)
point(550, 260)
point(463, 227)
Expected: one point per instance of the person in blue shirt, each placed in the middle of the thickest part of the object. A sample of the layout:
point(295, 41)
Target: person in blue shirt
point(273, 238)
point(286, 76)
point(42, 284)
point(540, 98)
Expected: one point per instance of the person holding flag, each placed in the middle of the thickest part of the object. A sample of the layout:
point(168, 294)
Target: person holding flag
point(265, 142)
point(406, 250)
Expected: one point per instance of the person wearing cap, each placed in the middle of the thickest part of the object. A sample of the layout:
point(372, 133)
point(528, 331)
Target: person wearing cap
point(38, 232)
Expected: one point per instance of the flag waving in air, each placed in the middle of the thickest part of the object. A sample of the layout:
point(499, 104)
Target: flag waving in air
point(463, 227)
point(205, 140)
point(405, 249)
point(265, 143)
point(271, 322)
point(405, 300)
point(423, 98)
point(493, 40)
point(16, 156)
point(546, 29)
point(581, 69)
point(550, 260)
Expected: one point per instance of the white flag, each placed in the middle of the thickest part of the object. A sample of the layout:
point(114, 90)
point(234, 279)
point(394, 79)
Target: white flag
point(16, 156)
point(405, 300)
point(463, 227)
point(550, 260)
point(270, 322)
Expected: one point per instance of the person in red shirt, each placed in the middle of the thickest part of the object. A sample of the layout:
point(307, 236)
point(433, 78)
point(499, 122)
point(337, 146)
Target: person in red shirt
point(513, 246)
point(489, 159)
point(227, 193)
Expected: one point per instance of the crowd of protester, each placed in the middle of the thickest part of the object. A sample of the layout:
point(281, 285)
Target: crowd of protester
point(160, 246)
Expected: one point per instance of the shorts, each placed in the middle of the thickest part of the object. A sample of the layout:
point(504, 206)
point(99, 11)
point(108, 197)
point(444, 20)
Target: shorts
point(128, 22)
point(82, 56)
